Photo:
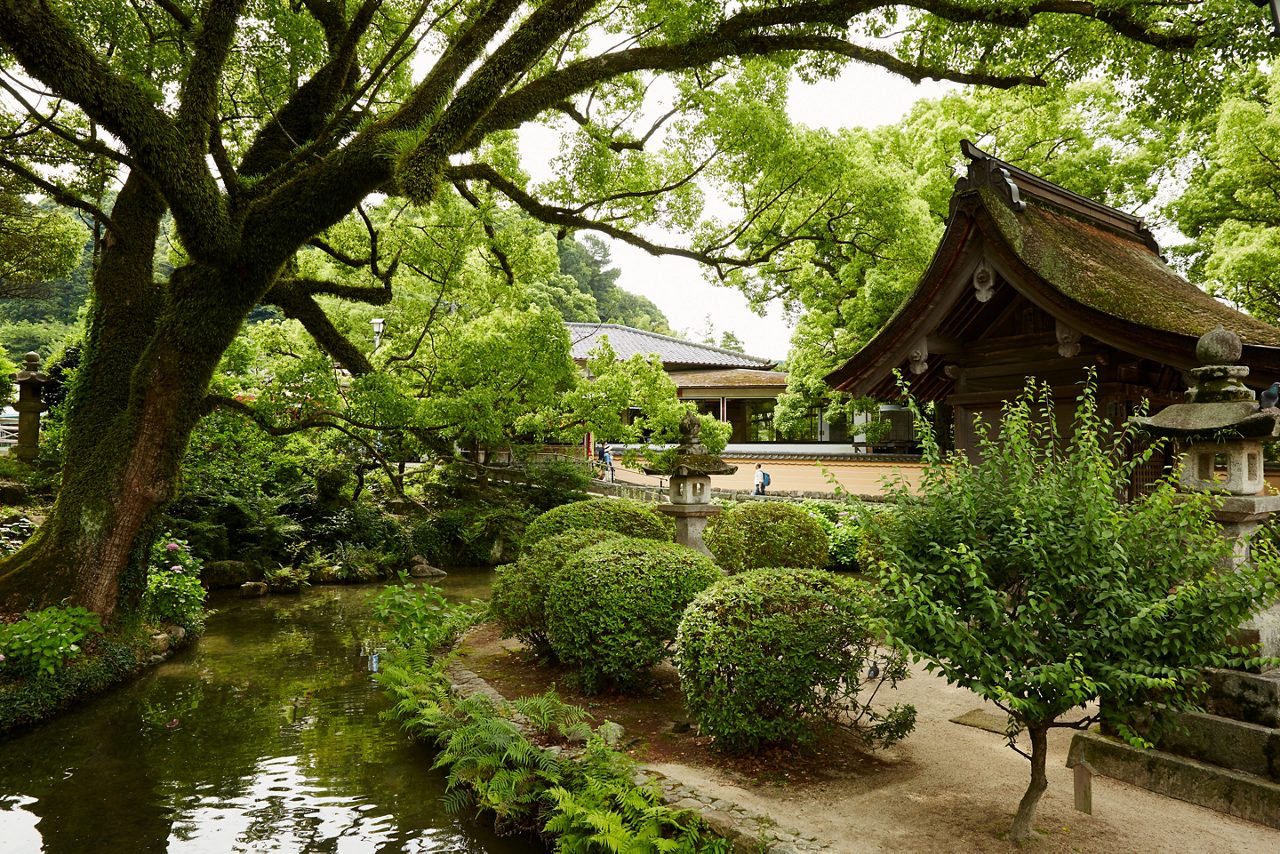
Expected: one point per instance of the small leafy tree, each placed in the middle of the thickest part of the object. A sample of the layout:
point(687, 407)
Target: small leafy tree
point(1026, 578)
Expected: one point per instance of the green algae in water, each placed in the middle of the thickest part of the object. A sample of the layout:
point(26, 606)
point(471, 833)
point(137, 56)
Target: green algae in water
point(265, 735)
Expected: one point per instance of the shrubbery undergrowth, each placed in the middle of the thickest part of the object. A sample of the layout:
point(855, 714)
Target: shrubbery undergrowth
point(613, 609)
point(769, 655)
point(761, 534)
point(585, 797)
point(519, 599)
point(42, 641)
point(609, 514)
point(174, 593)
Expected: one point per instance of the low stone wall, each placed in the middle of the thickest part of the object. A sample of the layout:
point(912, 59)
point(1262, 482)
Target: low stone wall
point(749, 831)
point(657, 495)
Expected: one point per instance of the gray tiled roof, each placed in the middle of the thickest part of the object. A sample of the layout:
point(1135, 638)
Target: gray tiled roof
point(674, 352)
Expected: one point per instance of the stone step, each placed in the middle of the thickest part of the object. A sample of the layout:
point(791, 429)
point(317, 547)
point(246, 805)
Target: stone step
point(1224, 790)
point(1252, 697)
point(1227, 743)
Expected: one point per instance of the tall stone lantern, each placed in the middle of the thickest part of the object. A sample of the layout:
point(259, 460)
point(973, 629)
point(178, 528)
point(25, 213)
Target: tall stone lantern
point(1220, 432)
point(31, 382)
point(690, 485)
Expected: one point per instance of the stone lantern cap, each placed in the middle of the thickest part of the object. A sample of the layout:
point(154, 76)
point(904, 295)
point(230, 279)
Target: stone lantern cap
point(30, 371)
point(691, 456)
point(1219, 407)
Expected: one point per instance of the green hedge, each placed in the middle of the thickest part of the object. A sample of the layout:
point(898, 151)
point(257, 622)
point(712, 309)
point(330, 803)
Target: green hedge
point(608, 514)
point(767, 656)
point(613, 609)
point(759, 534)
point(519, 597)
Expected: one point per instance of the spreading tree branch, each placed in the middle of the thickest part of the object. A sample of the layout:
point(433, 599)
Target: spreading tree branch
point(51, 51)
point(198, 99)
point(297, 301)
point(57, 193)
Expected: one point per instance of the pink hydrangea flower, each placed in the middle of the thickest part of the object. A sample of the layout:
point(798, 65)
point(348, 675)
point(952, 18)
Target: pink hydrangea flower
point(173, 547)
point(176, 568)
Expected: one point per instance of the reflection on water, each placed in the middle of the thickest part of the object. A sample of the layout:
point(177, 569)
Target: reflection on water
point(262, 736)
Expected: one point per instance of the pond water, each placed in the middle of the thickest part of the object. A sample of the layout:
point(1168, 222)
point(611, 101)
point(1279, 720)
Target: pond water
point(264, 735)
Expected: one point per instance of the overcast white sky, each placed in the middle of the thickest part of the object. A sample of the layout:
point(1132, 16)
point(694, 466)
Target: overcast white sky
point(862, 96)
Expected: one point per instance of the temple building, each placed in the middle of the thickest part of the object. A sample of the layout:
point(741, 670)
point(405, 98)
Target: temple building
point(1031, 279)
point(742, 390)
point(732, 386)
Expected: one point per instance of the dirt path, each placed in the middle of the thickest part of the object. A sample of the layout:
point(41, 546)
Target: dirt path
point(946, 788)
point(949, 787)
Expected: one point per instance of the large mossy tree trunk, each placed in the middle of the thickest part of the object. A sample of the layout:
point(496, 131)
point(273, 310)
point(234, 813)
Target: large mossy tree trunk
point(1022, 822)
point(149, 354)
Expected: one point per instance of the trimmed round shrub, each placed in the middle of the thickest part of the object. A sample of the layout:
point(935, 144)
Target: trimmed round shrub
point(760, 534)
point(769, 656)
point(613, 609)
point(519, 597)
point(607, 514)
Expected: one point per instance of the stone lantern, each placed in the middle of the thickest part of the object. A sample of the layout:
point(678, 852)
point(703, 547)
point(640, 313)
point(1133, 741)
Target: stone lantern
point(31, 382)
point(690, 487)
point(1220, 432)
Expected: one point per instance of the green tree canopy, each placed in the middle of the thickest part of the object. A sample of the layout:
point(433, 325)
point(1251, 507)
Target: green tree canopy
point(1231, 209)
point(38, 244)
point(587, 260)
point(1083, 136)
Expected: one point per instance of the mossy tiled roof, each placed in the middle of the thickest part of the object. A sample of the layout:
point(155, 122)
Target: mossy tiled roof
point(1114, 273)
point(729, 378)
point(1096, 270)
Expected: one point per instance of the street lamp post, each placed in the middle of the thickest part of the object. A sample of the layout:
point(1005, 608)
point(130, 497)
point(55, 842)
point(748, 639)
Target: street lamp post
point(378, 325)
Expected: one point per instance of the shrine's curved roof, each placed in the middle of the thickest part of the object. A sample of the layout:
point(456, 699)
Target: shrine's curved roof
point(1094, 268)
point(1114, 273)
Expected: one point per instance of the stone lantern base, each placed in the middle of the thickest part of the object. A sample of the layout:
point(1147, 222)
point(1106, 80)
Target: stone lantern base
point(1240, 516)
point(691, 520)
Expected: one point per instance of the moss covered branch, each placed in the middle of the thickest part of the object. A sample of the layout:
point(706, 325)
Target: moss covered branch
point(198, 98)
point(298, 303)
point(51, 51)
point(420, 171)
point(1021, 15)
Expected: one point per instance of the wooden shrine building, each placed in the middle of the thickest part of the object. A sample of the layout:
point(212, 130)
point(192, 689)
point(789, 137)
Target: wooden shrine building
point(1031, 279)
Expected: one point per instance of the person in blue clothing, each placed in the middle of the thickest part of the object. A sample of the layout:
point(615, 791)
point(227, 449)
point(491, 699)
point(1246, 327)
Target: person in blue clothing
point(608, 461)
point(762, 480)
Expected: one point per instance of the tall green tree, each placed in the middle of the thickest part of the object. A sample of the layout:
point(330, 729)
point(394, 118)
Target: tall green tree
point(587, 259)
point(37, 244)
point(1231, 206)
point(258, 125)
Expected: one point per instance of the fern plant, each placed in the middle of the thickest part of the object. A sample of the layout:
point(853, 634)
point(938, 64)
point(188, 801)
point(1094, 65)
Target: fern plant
point(492, 763)
point(604, 810)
